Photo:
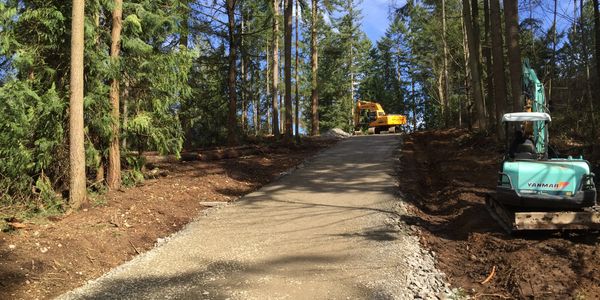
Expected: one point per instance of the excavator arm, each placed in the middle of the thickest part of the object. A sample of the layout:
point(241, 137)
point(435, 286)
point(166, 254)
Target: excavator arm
point(535, 101)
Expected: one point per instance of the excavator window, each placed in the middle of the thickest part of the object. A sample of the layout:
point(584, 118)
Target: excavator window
point(372, 116)
point(522, 147)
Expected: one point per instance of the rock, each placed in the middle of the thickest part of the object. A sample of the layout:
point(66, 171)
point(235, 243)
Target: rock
point(336, 133)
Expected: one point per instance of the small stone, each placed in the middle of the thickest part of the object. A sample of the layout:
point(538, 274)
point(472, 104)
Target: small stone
point(205, 293)
point(43, 249)
point(12, 247)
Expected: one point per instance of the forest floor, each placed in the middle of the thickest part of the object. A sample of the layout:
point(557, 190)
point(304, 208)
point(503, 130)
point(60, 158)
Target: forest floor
point(50, 256)
point(449, 174)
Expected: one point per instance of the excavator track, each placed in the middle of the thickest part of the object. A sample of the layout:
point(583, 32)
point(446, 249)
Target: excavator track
point(512, 221)
point(504, 217)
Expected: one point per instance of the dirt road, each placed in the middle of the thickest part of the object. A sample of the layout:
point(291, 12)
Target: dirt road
point(329, 230)
point(451, 172)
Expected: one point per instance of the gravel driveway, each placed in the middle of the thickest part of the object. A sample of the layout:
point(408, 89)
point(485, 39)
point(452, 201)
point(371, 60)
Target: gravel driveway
point(329, 230)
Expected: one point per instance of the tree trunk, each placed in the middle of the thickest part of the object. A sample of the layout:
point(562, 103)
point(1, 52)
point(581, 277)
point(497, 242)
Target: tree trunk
point(231, 82)
point(445, 70)
point(281, 112)
point(511, 19)
point(254, 98)
point(267, 88)
point(275, 86)
point(467, 78)
point(586, 60)
point(474, 66)
point(289, 7)
point(351, 64)
point(440, 90)
point(114, 152)
point(487, 53)
point(125, 107)
point(314, 64)
point(100, 170)
point(297, 96)
point(481, 108)
point(185, 27)
point(281, 102)
point(244, 77)
point(77, 178)
point(597, 46)
point(553, 58)
point(498, 65)
point(414, 102)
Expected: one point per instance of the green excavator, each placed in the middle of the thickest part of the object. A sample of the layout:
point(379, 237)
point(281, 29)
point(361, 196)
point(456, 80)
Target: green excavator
point(538, 191)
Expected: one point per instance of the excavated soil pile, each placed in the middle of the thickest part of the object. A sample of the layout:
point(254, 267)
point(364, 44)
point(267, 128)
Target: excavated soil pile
point(445, 176)
point(50, 256)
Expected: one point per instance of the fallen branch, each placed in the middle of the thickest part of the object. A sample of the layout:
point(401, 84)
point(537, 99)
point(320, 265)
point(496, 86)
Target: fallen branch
point(492, 295)
point(134, 248)
point(487, 279)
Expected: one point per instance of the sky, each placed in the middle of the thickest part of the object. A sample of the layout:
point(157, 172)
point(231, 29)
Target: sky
point(375, 14)
point(375, 17)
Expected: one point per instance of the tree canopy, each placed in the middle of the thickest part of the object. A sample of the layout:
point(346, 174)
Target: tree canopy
point(197, 73)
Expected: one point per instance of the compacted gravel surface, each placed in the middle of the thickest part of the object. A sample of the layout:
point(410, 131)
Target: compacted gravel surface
point(329, 230)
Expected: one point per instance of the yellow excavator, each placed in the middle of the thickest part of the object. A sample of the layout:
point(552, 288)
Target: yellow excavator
point(371, 118)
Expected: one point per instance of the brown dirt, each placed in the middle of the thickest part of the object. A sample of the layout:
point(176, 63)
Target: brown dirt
point(450, 173)
point(49, 257)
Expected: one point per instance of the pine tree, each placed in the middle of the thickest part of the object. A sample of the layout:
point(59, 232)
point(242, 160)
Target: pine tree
point(114, 155)
point(232, 77)
point(314, 62)
point(511, 19)
point(77, 186)
point(498, 64)
point(288, 4)
point(275, 68)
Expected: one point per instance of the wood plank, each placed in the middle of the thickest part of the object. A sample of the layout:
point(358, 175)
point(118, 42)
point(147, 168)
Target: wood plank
point(557, 220)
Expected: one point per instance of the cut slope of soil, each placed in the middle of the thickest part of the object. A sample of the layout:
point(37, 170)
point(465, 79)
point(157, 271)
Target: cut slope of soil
point(50, 257)
point(445, 176)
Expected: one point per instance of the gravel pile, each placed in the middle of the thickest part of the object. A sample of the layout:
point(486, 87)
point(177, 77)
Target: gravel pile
point(336, 133)
point(416, 276)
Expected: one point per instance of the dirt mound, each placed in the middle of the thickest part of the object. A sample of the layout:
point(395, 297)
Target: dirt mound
point(336, 133)
point(450, 173)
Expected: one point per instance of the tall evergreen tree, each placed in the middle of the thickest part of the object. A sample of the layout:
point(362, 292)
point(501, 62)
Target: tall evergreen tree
point(474, 65)
point(232, 77)
point(511, 19)
point(314, 62)
point(289, 6)
point(498, 64)
point(114, 155)
point(77, 186)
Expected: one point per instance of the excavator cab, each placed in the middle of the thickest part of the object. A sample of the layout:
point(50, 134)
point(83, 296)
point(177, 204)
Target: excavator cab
point(521, 141)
